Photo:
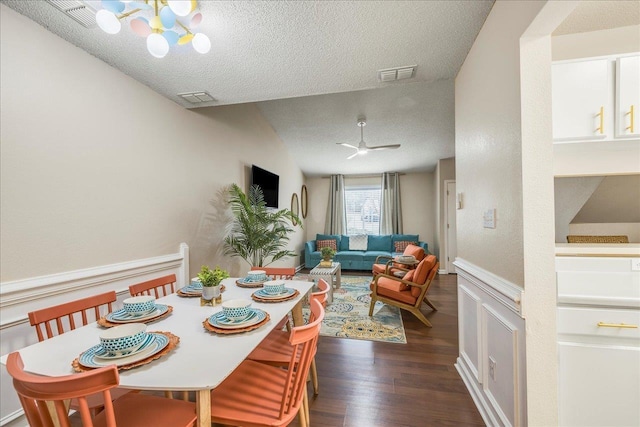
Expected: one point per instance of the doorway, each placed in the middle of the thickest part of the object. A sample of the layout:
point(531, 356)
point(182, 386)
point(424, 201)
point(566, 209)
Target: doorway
point(450, 242)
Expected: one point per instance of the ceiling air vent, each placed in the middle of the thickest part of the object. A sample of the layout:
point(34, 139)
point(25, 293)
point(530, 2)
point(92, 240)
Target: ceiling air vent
point(76, 10)
point(397, 73)
point(197, 97)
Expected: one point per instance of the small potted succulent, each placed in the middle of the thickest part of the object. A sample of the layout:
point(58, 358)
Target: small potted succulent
point(210, 280)
point(327, 254)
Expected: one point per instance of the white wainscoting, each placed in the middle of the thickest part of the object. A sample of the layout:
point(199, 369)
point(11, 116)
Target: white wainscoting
point(492, 344)
point(19, 297)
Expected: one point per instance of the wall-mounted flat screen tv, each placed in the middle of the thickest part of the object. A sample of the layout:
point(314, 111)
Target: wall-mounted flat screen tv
point(268, 182)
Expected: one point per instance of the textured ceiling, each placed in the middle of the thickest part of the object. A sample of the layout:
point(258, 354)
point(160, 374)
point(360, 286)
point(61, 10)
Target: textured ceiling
point(600, 15)
point(284, 51)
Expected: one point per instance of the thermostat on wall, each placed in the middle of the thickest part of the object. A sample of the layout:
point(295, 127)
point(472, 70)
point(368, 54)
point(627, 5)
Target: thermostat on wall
point(489, 218)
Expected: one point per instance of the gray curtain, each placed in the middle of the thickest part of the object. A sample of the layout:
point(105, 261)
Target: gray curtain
point(391, 210)
point(336, 222)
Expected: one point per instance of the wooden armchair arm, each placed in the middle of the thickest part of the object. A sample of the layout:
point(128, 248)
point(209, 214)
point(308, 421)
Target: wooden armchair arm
point(397, 279)
point(381, 257)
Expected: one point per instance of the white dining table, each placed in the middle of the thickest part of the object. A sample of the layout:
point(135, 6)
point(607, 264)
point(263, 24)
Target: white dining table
point(201, 360)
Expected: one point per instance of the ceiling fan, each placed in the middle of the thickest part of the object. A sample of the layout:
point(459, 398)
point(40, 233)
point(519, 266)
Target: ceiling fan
point(362, 147)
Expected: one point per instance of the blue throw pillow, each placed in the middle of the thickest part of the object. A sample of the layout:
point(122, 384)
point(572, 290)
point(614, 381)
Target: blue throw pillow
point(335, 237)
point(344, 243)
point(408, 237)
point(380, 243)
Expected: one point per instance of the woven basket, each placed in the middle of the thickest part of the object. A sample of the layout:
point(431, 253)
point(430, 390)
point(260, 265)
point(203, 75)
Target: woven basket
point(597, 239)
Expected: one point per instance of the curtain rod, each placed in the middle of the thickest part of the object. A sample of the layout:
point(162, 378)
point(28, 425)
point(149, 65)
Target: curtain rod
point(372, 175)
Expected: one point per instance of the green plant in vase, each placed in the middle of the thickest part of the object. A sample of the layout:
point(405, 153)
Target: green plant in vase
point(211, 280)
point(327, 254)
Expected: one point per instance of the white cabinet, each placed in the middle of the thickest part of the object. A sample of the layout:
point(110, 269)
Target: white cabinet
point(627, 96)
point(581, 101)
point(598, 336)
point(592, 99)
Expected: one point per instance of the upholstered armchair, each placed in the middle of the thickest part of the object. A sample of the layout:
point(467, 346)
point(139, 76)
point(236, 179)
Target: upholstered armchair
point(408, 292)
point(385, 264)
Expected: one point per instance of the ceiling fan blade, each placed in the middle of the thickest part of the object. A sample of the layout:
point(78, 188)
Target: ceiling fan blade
point(384, 147)
point(352, 156)
point(344, 144)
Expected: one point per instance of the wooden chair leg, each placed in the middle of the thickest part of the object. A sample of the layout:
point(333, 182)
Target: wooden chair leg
point(185, 396)
point(430, 304)
point(168, 394)
point(371, 305)
point(314, 376)
point(305, 404)
point(420, 316)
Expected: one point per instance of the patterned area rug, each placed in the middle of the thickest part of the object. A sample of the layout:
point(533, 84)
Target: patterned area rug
point(348, 315)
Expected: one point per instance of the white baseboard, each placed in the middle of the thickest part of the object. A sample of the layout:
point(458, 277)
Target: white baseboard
point(14, 419)
point(475, 393)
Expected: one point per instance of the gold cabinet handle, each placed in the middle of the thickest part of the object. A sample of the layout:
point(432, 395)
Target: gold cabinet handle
point(616, 325)
point(601, 114)
point(631, 119)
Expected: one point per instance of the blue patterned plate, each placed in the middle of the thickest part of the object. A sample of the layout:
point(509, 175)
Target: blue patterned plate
point(101, 353)
point(220, 321)
point(261, 293)
point(192, 289)
point(121, 316)
point(157, 344)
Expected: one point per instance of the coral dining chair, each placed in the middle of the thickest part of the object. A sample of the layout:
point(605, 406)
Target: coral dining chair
point(165, 284)
point(134, 409)
point(64, 317)
point(275, 349)
point(275, 273)
point(279, 273)
point(386, 264)
point(257, 395)
point(408, 292)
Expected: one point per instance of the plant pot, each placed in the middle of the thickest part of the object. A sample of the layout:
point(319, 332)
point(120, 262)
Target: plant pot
point(210, 292)
point(326, 262)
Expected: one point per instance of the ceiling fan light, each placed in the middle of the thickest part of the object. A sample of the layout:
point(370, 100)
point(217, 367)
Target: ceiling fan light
point(157, 45)
point(201, 43)
point(108, 22)
point(181, 7)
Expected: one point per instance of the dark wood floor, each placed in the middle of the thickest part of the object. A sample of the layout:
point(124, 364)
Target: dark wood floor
point(375, 384)
point(370, 384)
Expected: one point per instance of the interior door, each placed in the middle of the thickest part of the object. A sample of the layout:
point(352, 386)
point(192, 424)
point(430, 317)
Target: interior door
point(451, 242)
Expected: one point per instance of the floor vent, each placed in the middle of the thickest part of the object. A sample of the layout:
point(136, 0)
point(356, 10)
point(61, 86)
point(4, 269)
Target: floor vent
point(76, 10)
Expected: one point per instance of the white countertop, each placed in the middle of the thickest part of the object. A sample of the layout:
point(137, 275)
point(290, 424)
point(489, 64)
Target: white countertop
point(598, 249)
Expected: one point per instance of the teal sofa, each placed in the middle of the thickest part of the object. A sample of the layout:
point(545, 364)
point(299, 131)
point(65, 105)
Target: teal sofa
point(358, 260)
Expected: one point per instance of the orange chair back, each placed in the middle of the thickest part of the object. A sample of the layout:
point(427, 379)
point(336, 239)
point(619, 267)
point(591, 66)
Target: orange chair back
point(34, 390)
point(275, 273)
point(304, 340)
point(66, 314)
point(153, 287)
point(322, 294)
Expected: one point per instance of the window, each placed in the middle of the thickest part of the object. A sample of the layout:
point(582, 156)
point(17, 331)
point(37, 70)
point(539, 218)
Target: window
point(363, 209)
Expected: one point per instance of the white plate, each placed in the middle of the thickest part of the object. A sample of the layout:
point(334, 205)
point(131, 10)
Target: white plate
point(89, 359)
point(220, 321)
point(261, 293)
point(121, 316)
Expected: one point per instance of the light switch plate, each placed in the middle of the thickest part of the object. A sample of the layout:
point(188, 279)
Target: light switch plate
point(489, 218)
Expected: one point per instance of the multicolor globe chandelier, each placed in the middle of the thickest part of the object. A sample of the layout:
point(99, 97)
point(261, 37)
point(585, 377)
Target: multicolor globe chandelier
point(164, 23)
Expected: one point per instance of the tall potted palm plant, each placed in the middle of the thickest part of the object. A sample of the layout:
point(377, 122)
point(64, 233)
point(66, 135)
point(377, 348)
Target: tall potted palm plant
point(258, 235)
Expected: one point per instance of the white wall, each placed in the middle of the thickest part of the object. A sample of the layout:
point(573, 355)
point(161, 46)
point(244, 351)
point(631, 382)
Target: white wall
point(570, 196)
point(504, 161)
point(97, 169)
point(416, 194)
point(596, 43)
